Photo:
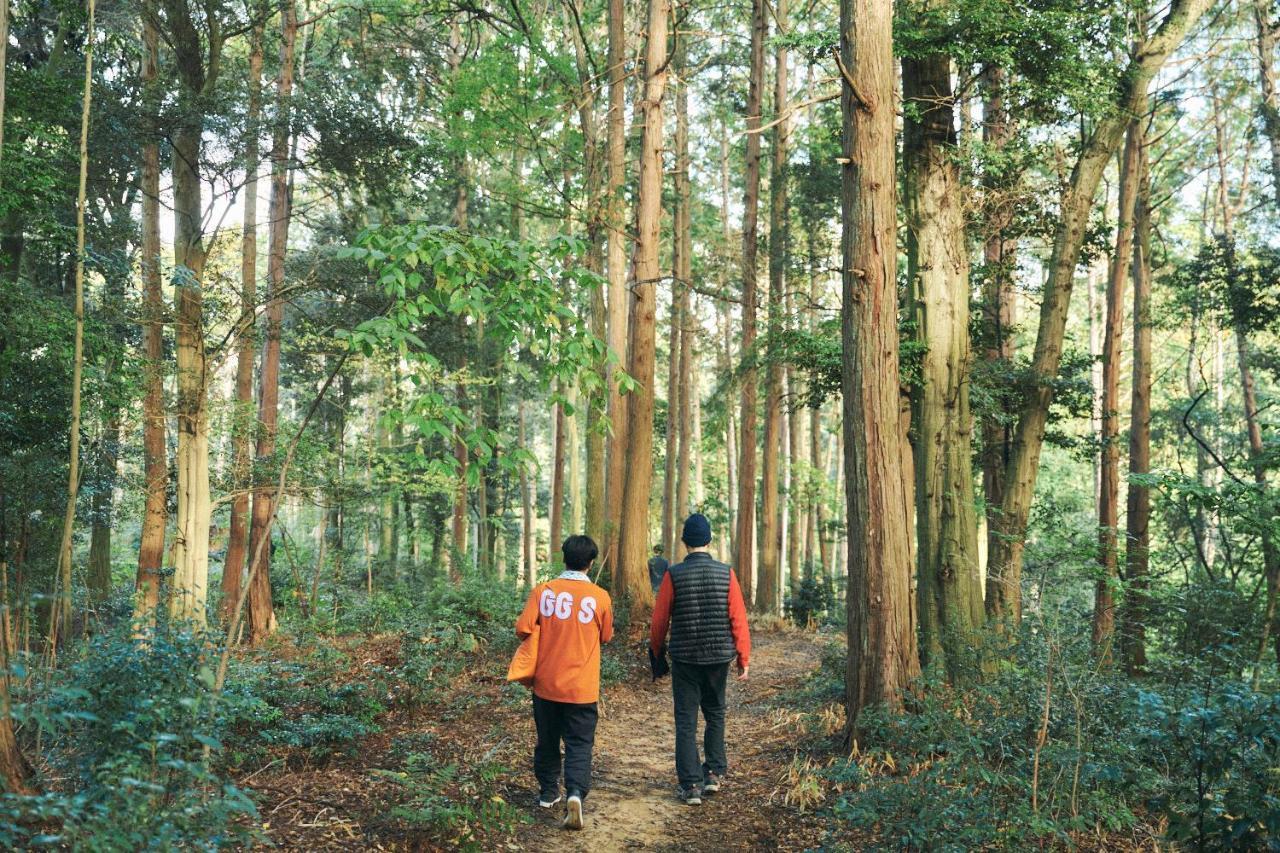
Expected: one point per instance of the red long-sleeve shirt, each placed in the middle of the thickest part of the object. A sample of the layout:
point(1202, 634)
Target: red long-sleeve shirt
point(737, 618)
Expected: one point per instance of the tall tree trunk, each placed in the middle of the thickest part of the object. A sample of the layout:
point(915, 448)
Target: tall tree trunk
point(676, 398)
point(16, 772)
point(632, 577)
point(197, 67)
point(682, 225)
point(460, 215)
point(730, 441)
point(767, 595)
point(1267, 37)
point(1109, 488)
point(530, 573)
point(1138, 503)
point(617, 280)
point(60, 619)
point(593, 179)
point(746, 523)
point(949, 585)
point(673, 407)
point(1097, 148)
point(103, 503)
point(154, 446)
point(573, 454)
point(262, 619)
point(1000, 305)
point(555, 513)
point(245, 416)
point(882, 658)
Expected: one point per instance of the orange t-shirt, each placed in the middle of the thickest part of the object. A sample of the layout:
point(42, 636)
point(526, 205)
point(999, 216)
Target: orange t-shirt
point(575, 616)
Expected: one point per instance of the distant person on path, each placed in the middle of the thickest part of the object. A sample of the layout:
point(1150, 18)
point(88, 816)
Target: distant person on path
point(573, 617)
point(701, 603)
point(658, 566)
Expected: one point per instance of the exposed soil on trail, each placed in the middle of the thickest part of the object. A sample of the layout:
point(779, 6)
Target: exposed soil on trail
point(633, 805)
point(346, 803)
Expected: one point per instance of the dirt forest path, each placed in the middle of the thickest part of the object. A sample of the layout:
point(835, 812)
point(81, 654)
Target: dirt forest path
point(633, 806)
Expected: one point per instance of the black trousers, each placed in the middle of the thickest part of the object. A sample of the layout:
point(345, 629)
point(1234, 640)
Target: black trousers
point(576, 726)
point(697, 686)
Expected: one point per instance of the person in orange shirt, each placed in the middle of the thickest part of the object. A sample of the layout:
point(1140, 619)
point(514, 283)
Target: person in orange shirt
point(573, 617)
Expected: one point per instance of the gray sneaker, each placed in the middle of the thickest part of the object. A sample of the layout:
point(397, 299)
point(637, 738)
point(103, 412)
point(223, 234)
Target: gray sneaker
point(690, 796)
point(712, 785)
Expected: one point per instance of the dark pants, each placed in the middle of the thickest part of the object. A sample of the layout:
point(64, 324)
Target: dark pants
point(695, 686)
point(576, 726)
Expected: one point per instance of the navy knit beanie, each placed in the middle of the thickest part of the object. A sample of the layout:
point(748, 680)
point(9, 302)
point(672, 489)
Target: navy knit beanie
point(697, 531)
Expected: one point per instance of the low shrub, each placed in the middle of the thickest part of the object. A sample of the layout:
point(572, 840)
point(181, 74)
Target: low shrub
point(130, 724)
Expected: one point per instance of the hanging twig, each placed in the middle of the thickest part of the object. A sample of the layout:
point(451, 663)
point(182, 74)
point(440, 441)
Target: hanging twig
point(1207, 449)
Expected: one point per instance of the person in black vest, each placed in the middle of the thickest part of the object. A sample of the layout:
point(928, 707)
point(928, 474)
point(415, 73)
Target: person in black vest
point(658, 566)
point(701, 604)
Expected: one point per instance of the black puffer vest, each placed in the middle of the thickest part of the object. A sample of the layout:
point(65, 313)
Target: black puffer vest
point(700, 629)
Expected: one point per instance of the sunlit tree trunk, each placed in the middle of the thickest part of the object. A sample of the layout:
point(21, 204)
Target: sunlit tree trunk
point(197, 66)
point(999, 308)
point(688, 461)
point(555, 513)
point(949, 586)
point(1138, 503)
point(60, 619)
point(573, 459)
point(673, 407)
point(767, 595)
point(1104, 618)
point(530, 570)
point(154, 447)
point(795, 454)
point(676, 398)
point(262, 620)
point(745, 541)
point(616, 267)
point(724, 362)
point(882, 660)
point(633, 577)
point(1096, 150)
point(245, 417)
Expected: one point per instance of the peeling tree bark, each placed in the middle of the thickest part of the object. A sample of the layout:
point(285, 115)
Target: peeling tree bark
point(745, 540)
point(949, 587)
point(237, 538)
point(633, 577)
point(767, 595)
point(882, 659)
point(616, 266)
point(1138, 503)
point(154, 447)
point(262, 619)
point(1104, 619)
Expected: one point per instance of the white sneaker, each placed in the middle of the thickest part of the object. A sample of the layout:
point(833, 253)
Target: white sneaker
point(573, 813)
point(549, 799)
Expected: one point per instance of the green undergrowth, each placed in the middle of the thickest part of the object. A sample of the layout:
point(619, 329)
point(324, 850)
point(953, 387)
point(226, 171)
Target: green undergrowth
point(1195, 761)
point(134, 754)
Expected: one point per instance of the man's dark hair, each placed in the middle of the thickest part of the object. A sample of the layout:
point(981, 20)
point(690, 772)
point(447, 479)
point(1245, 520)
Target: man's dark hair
point(578, 552)
point(657, 549)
